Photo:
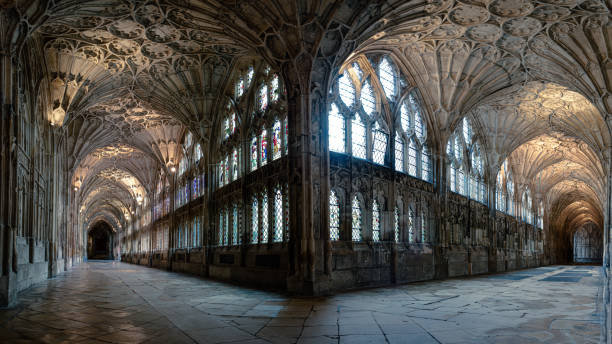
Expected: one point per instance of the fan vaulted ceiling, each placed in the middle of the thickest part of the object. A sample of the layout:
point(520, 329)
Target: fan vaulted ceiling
point(128, 78)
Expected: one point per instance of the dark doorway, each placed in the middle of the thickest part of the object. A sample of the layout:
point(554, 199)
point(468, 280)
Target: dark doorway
point(100, 241)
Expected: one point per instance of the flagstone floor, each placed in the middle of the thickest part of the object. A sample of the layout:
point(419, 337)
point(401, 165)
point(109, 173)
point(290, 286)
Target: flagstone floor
point(112, 302)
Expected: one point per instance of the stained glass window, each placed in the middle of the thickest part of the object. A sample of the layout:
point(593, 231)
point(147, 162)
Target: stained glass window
point(387, 76)
point(227, 170)
point(337, 129)
point(263, 97)
point(276, 140)
point(278, 215)
point(264, 217)
point(249, 75)
point(346, 89)
point(396, 225)
point(359, 138)
point(357, 220)
point(380, 146)
point(412, 159)
point(399, 154)
point(235, 165)
point(198, 153)
point(254, 154)
point(263, 139)
point(254, 219)
point(368, 103)
point(419, 127)
point(411, 224)
point(375, 221)
point(274, 92)
point(334, 216)
point(239, 90)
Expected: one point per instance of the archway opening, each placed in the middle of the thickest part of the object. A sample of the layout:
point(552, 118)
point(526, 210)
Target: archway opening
point(100, 241)
point(588, 244)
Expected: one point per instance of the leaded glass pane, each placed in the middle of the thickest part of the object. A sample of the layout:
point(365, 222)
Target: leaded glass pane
point(346, 89)
point(264, 217)
point(356, 223)
point(380, 147)
point(399, 153)
point(227, 128)
point(276, 140)
point(359, 138)
point(278, 215)
point(263, 139)
point(375, 221)
point(426, 165)
point(387, 77)
point(368, 102)
point(396, 226)
point(461, 182)
point(249, 75)
point(254, 219)
point(263, 97)
point(239, 88)
point(458, 150)
point(424, 232)
point(412, 159)
point(254, 154)
point(467, 131)
point(235, 165)
point(357, 70)
point(453, 178)
point(337, 130)
point(235, 239)
point(411, 224)
point(226, 228)
point(419, 127)
point(405, 117)
point(274, 89)
point(334, 216)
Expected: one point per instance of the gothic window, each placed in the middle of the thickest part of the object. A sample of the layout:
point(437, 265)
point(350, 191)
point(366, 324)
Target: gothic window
point(357, 220)
point(264, 217)
point(465, 163)
point(276, 140)
point(334, 216)
point(346, 89)
point(413, 132)
point(375, 221)
point(411, 224)
point(278, 215)
point(254, 219)
point(222, 231)
point(337, 130)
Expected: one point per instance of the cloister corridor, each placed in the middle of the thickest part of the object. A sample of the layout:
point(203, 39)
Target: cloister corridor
point(113, 302)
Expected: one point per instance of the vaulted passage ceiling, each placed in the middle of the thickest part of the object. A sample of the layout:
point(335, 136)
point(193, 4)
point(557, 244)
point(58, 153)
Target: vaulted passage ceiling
point(127, 79)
